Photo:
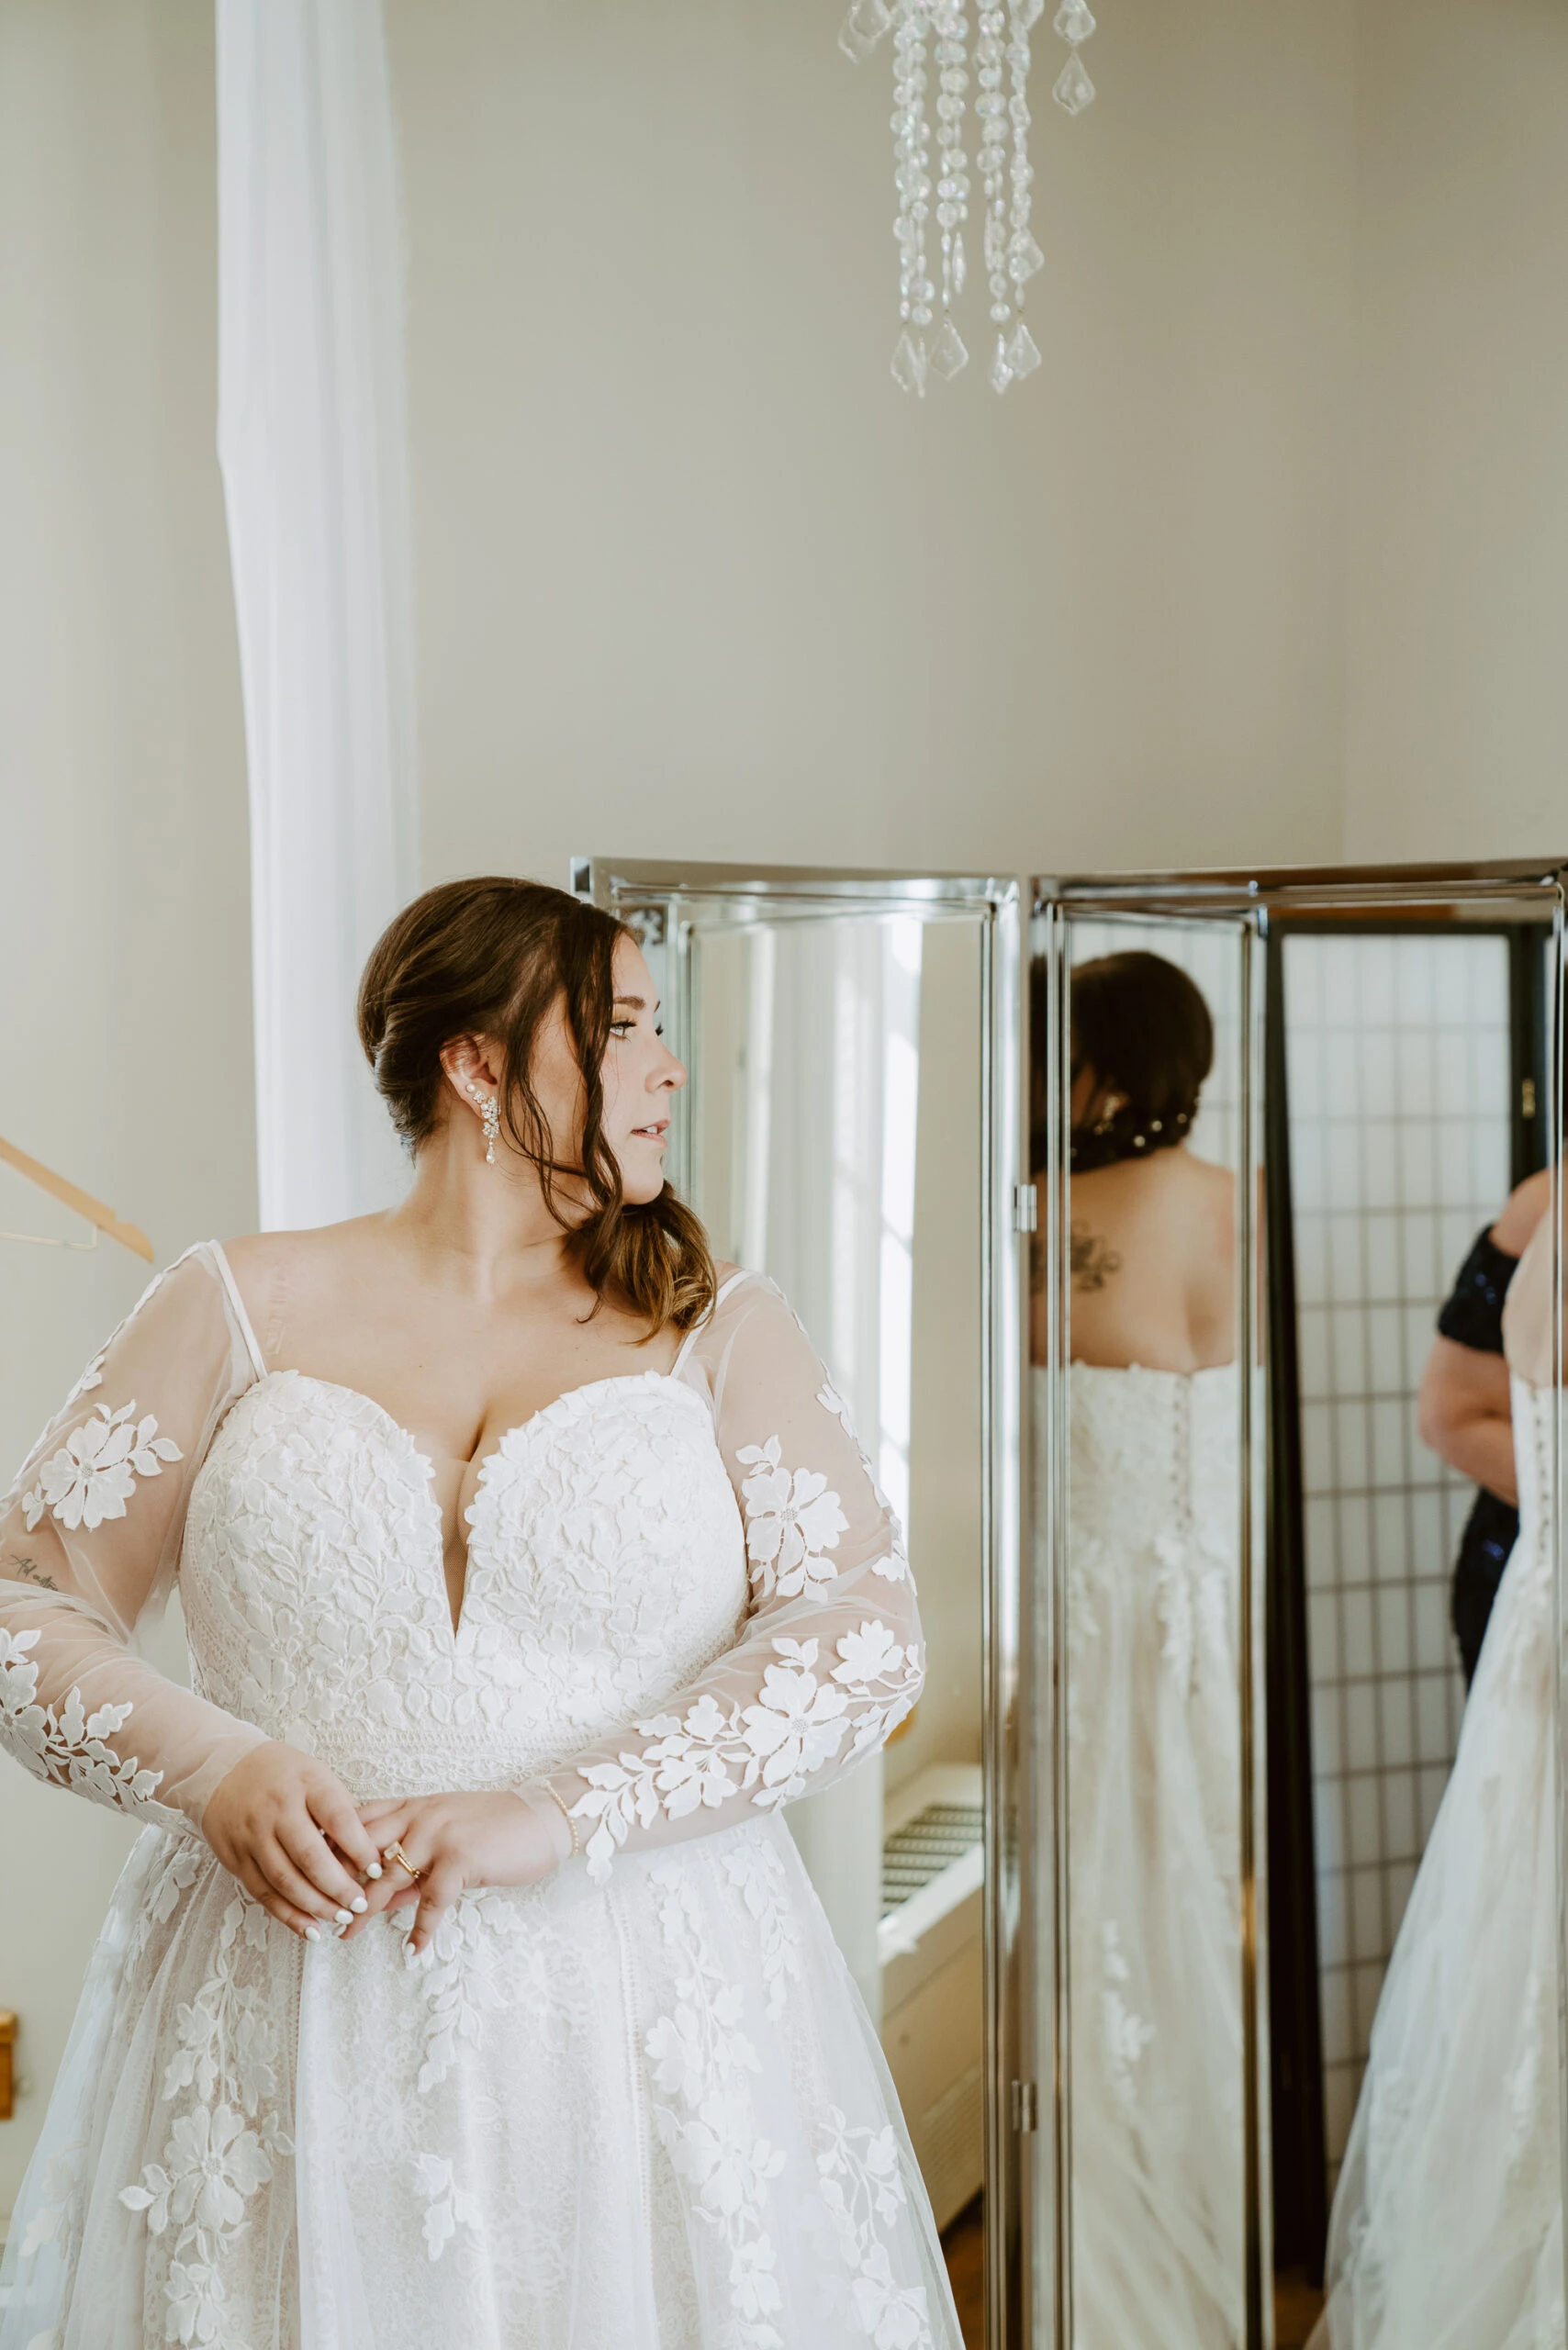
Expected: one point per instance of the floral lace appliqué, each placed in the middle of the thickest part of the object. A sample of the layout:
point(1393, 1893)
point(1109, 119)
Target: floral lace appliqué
point(68, 1748)
point(752, 1864)
point(465, 1967)
point(1127, 2034)
point(448, 2207)
point(1530, 2087)
point(702, 2061)
point(223, 2147)
point(768, 1750)
point(63, 2185)
point(94, 1474)
point(895, 1566)
point(860, 2183)
point(792, 1520)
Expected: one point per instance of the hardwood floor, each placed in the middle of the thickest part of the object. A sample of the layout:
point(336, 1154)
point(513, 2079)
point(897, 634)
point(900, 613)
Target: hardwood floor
point(963, 2244)
point(1296, 2303)
point(1297, 2307)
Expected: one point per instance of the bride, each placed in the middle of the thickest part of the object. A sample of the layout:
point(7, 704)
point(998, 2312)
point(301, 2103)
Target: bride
point(529, 1566)
point(1447, 2229)
point(1153, 1757)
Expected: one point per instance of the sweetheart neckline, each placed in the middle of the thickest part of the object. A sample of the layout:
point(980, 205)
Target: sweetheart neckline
point(568, 1395)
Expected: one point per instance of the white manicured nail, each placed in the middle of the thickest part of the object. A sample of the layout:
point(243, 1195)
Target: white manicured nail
point(345, 1917)
point(312, 1934)
point(373, 1870)
point(359, 1905)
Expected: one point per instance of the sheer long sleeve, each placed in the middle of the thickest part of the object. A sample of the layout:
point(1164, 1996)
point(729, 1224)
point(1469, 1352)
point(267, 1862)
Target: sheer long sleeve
point(90, 1538)
point(829, 1660)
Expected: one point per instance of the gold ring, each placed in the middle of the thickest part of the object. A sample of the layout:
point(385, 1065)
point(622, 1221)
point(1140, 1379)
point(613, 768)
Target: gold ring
point(396, 1852)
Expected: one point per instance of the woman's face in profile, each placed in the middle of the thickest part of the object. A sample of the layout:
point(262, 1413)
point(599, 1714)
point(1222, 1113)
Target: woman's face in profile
point(639, 1076)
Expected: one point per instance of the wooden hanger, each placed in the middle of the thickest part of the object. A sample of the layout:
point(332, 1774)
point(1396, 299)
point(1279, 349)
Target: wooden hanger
point(102, 1218)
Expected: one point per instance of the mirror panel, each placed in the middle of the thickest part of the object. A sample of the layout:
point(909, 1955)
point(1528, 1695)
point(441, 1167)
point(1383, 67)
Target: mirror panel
point(1152, 1145)
point(833, 1136)
point(1395, 1085)
point(1401, 1092)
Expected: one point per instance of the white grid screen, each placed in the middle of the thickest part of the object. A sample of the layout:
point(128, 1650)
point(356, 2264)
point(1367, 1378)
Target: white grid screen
point(1398, 1080)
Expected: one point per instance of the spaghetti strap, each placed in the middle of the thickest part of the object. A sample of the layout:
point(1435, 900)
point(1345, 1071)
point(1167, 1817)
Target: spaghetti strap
point(697, 1328)
point(231, 1287)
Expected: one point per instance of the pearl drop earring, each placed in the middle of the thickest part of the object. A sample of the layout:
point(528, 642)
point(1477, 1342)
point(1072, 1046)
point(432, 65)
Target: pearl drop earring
point(491, 1116)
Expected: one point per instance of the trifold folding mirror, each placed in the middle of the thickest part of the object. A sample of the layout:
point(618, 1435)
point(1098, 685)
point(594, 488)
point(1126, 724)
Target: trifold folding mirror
point(1122, 1212)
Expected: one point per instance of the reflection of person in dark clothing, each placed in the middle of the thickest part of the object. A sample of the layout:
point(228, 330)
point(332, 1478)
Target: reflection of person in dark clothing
point(1464, 1413)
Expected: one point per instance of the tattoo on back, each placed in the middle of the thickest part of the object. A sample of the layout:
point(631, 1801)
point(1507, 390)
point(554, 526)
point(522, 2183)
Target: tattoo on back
point(1091, 1260)
point(26, 1570)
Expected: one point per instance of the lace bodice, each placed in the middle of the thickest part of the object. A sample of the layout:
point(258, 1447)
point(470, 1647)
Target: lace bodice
point(685, 1594)
point(1154, 1525)
point(605, 1569)
point(1154, 1454)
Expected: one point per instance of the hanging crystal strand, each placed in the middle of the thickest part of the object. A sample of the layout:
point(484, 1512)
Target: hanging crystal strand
point(947, 352)
point(912, 177)
point(1073, 89)
point(1011, 254)
point(863, 27)
point(991, 161)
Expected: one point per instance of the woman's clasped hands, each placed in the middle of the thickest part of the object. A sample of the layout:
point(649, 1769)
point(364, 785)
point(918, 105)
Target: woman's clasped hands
point(287, 1829)
point(448, 1843)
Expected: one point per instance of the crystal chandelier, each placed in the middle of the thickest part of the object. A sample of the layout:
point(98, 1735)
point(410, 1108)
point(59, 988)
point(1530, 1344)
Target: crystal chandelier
point(929, 343)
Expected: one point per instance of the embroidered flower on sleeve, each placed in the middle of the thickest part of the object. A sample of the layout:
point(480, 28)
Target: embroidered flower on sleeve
point(894, 1566)
point(793, 1519)
point(768, 1749)
point(94, 1474)
point(800, 1723)
point(92, 1377)
point(871, 1654)
point(68, 1746)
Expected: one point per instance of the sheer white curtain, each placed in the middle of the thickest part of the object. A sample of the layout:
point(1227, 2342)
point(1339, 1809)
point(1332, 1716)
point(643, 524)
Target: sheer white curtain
point(312, 439)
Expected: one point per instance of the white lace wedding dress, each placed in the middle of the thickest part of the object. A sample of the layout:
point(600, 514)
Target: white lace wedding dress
point(1447, 2229)
point(1154, 1859)
point(638, 2108)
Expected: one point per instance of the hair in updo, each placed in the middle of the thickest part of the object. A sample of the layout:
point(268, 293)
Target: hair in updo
point(1143, 1027)
point(493, 957)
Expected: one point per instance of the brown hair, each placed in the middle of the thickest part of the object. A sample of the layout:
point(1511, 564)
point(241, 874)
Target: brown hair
point(491, 958)
point(1143, 1027)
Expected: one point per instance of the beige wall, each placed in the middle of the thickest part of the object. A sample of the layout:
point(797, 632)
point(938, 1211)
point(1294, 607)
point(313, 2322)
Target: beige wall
point(124, 1044)
point(694, 577)
point(1457, 737)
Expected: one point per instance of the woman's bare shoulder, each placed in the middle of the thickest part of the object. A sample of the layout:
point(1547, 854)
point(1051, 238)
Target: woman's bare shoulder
point(267, 1264)
point(1218, 1181)
point(1526, 1207)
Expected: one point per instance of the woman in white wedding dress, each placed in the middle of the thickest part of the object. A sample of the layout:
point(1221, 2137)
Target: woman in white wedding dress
point(1152, 1693)
point(1447, 2229)
point(528, 1567)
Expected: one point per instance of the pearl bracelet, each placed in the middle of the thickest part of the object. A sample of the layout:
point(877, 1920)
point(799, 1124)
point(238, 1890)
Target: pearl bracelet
point(565, 1815)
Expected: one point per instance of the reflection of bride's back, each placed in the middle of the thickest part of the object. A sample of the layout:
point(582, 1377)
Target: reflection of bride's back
point(1152, 1682)
point(1154, 1528)
point(1154, 1900)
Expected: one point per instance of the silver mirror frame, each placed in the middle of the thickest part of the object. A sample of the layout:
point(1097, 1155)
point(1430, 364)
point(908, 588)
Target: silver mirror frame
point(1252, 898)
point(1027, 2173)
point(661, 899)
